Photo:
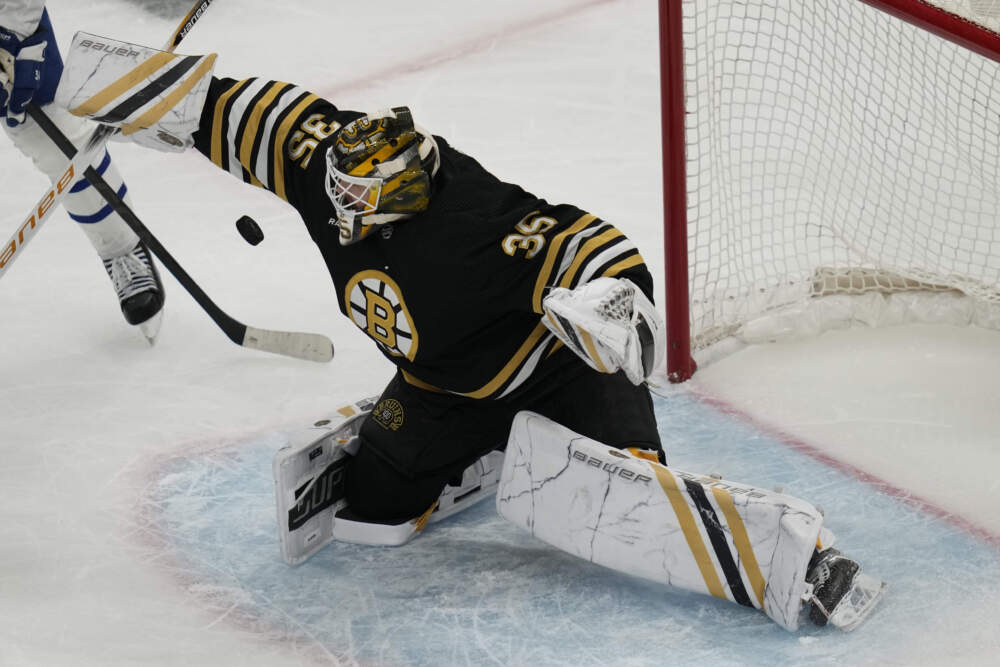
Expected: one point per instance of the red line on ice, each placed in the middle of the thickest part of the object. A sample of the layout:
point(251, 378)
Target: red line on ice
point(882, 485)
point(474, 44)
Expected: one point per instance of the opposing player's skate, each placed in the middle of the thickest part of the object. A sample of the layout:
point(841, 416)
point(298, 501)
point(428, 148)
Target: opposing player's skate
point(841, 594)
point(139, 289)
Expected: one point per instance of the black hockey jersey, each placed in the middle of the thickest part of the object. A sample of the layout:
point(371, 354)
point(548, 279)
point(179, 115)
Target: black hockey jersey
point(453, 295)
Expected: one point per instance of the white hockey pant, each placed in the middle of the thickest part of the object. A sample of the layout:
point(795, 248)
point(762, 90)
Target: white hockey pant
point(702, 534)
point(107, 232)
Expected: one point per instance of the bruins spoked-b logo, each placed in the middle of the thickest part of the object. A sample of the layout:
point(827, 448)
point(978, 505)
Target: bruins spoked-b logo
point(375, 304)
point(388, 414)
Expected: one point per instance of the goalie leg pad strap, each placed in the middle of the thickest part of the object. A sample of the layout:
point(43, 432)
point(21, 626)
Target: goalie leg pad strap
point(729, 540)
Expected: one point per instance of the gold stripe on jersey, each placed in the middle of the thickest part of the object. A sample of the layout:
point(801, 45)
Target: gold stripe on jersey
point(627, 263)
point(411, 379)
point(550, 259)
point(690, 529)
point(123, 84)
point(280, 135)
point(253, 119)
point(513, 365)
point(585, 252)
point(160, 109)
point(742, 541)
point(219, 144)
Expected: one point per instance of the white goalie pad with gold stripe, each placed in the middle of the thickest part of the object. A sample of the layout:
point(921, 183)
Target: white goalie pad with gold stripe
point(154, 97)
point(702, 534)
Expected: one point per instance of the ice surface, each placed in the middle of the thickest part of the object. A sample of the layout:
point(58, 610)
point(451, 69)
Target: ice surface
point(136, 510)
point(476, 590)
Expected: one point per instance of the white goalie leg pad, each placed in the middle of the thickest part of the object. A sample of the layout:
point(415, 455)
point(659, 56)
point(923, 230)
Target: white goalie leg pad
point(309, 482)
point(108, 81)
point(610, 324)
point(729, 540)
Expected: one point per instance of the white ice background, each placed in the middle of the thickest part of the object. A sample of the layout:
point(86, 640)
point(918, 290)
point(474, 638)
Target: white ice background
point(136, 507)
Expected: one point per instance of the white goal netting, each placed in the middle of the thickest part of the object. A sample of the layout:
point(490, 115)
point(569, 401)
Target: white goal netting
point(835, 151)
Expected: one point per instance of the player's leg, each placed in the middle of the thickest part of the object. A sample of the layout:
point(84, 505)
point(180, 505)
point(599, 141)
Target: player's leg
point(736, 542)
point(422, 455)
point(346, 478)
point(125, 258)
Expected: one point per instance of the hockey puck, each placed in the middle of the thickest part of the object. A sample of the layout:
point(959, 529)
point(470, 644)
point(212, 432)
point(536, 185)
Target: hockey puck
point(249, 230)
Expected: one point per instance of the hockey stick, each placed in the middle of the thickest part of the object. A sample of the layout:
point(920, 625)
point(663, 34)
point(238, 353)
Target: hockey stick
point(95, 143)
point(311, 347)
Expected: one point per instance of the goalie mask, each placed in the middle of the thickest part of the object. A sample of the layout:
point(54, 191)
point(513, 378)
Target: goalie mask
point(379, 170)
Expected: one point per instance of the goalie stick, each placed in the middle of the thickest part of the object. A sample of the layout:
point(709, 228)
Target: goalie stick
point(79, 162)
point(308, 346)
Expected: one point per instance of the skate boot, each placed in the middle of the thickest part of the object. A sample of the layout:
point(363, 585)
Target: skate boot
point(139, 289)
point(841, 594)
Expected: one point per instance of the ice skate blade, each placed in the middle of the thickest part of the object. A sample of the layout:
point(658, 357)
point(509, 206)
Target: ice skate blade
point(865, 593)
point(151, 327)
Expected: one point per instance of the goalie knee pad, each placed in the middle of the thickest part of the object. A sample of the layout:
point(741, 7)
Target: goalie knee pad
point(702, 534)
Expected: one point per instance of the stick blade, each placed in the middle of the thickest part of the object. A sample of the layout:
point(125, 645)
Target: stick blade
point(307, 346)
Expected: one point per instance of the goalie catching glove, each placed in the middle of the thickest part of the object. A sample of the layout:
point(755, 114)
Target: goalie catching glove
point(610, 324)
point(154, 97)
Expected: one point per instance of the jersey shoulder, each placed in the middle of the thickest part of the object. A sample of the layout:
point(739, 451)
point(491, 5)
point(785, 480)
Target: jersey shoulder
point(268, 133)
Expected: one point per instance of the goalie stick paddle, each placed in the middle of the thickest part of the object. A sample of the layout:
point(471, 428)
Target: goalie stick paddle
point(78, 164)
point(308, 346)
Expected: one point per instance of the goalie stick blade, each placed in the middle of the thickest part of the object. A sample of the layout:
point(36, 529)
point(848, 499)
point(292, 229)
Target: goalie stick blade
point(307, 346)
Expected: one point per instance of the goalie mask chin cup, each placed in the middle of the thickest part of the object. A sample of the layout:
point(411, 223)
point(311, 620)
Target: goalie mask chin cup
point(379, 170)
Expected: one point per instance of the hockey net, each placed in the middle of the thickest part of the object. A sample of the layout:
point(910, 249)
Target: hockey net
point(841, 167)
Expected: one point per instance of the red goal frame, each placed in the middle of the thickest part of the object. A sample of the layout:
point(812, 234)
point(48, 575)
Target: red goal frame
point(680, 363)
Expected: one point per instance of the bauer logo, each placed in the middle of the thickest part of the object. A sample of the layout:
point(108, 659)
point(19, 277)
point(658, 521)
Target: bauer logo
point(113, 49)
point(611, 467)
point(388, 414)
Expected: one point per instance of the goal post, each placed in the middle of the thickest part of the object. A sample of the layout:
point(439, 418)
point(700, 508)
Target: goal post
point(827, 163)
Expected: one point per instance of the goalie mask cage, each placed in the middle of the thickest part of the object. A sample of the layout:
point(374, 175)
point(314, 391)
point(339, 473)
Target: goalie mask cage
point(827, 162)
